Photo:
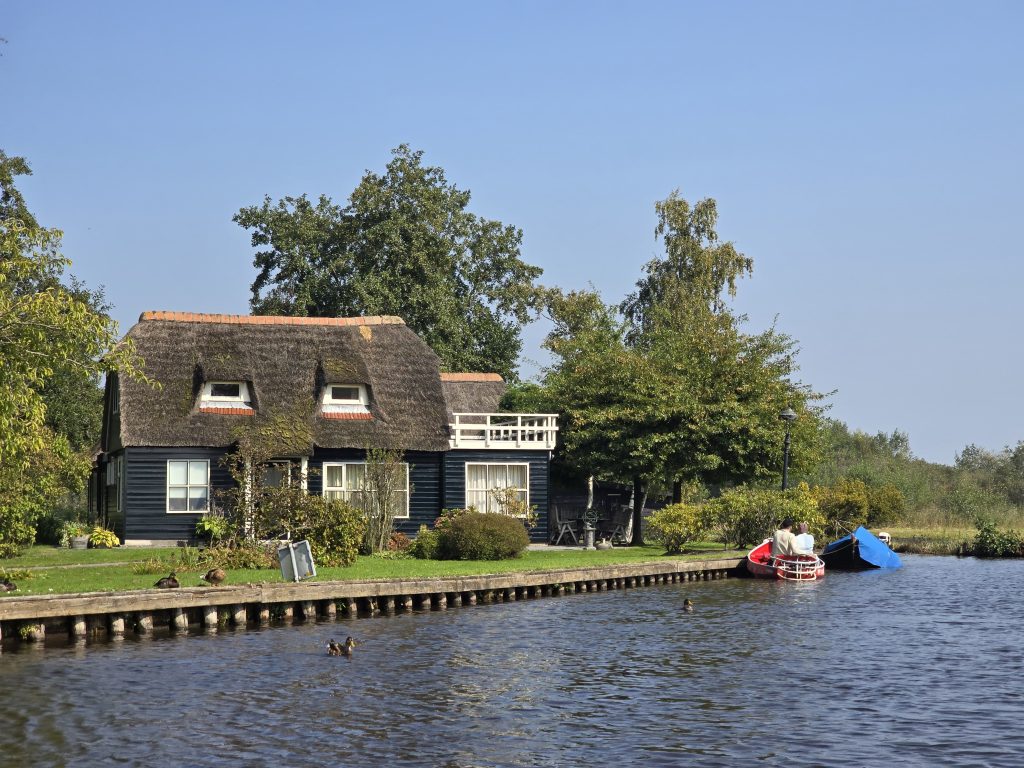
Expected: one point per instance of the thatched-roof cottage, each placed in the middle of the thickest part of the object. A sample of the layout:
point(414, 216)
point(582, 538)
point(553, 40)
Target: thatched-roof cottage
point(344, 385)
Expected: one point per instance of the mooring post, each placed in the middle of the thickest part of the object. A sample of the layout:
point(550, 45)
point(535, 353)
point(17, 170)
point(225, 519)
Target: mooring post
point(179, 620)
point(442, 601)
point(351, 608)
point(264, 614)
point(144, 623)
point(308, 610)
point(210, 616)
point(457, 599)
point(238, 616)
point(330, 610)
point(471, 598)
point(78, 626)
point(116, 625)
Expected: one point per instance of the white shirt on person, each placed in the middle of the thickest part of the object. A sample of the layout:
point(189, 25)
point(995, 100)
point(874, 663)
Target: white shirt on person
point(804, 543)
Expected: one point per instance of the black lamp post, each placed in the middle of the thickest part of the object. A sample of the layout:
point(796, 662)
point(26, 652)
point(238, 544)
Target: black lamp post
point(788, 416)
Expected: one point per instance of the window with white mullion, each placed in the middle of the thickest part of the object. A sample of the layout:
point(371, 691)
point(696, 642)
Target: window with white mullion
point(347, 481)
point(188, 485)
point(483, 479)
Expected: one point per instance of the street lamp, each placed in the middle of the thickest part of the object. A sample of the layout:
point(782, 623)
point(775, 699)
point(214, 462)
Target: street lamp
point(788, 416)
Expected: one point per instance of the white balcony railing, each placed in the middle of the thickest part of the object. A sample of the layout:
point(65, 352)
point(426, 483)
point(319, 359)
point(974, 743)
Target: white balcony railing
point(526, 431)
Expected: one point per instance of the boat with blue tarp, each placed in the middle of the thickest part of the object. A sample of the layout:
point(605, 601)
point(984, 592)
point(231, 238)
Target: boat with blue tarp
point(859, 551)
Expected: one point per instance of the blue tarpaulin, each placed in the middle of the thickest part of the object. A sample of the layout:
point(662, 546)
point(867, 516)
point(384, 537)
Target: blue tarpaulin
point(869, 549)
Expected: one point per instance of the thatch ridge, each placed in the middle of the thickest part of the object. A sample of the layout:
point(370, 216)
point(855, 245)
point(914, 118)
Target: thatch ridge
point(285, 365)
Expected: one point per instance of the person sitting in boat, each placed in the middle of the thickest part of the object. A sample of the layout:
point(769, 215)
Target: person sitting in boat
point(804, 541)
point(784, 541)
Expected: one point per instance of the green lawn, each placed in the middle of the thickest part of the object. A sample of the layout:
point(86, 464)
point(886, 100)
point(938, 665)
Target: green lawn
point(112, 574)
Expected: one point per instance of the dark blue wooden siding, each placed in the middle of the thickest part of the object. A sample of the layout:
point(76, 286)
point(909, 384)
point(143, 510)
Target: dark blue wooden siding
point(145, 497)
point(455, 480)
point(424, 482)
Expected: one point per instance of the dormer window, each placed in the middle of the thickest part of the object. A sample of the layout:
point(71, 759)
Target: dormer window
point(229, 397)
point(345, 401)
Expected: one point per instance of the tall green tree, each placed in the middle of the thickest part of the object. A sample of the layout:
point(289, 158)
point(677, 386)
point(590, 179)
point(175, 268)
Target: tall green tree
point(673, 389)
point(407, 245)
point(696, 263)
point(45, 328)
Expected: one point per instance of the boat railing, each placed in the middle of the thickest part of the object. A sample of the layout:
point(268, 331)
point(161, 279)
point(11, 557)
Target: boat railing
point(797, 568)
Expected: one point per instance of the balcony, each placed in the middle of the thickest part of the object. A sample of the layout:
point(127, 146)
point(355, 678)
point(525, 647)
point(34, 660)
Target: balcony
point(504, 431)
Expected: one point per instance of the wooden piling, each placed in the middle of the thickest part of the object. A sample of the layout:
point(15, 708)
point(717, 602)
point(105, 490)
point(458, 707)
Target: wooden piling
point(179, 620)
point(77, 627)
point(144, 623)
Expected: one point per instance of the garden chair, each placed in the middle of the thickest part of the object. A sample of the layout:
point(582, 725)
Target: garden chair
point(565, 525)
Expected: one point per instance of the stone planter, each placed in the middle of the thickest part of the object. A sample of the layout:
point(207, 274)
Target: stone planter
point(79, 542)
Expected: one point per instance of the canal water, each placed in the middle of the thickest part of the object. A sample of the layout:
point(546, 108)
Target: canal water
point(920, 666)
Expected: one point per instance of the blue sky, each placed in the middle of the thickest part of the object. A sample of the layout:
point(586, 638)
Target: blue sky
point(867, 156)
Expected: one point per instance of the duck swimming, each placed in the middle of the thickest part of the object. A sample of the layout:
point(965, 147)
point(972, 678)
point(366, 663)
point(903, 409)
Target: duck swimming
point(168, 582)
point(333, 648)
point(215, 576)
point(348, 647)
point(687, 606)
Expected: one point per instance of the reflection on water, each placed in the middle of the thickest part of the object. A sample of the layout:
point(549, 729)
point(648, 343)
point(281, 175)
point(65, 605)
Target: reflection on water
point(913, 667)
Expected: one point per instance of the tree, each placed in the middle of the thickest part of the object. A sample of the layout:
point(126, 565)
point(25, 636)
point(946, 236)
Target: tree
point(675, 390)
point(404, 245)
point(695, 261)
point(45, 328)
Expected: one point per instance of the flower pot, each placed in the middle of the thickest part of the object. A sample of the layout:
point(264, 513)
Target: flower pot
point(79, 542)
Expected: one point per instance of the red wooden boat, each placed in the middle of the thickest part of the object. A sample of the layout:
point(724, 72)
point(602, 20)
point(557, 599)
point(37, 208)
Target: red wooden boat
point(786, 567)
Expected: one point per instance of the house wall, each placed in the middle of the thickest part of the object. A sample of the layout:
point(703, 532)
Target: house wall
point(455, 480)
point(424, 483)
point(145, 494)
point(112, 421)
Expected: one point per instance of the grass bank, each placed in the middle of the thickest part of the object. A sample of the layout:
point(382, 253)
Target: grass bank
point(110, 573)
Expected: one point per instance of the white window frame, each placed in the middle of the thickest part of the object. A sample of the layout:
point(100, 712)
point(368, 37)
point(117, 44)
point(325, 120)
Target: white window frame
point(242, 398)
point(330, 404)
point(344, 490)
point(467, 490)
point(187, 486)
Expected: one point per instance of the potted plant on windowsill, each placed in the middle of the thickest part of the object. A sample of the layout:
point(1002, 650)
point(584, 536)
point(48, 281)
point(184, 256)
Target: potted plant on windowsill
point(101, 538)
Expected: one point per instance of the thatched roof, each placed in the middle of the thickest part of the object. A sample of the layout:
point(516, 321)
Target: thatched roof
point(285, 361)
point(472, 392)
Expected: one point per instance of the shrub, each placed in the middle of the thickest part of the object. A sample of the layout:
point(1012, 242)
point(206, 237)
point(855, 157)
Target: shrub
point(993, 542)
point(486, 536)
point(399, 542)
point(212, 527)
point(886, 505)
point(424, 546)
point(334, 530)
point(49, 527)
point(749, 515)
point(101, 537)
point(242, 556)
point(845, 504)
point(677, 525)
